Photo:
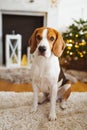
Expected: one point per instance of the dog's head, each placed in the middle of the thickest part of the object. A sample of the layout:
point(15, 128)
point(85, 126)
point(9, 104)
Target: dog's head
point(45, 41)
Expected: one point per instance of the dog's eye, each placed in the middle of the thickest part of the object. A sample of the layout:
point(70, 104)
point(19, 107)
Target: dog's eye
point(51, 38)
point(38, 37)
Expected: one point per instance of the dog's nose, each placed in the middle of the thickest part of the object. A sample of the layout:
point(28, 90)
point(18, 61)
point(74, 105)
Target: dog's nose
point(42, 49)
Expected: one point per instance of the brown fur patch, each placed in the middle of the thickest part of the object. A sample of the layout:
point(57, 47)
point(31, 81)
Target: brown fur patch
point(59, 45)
point(67, 94)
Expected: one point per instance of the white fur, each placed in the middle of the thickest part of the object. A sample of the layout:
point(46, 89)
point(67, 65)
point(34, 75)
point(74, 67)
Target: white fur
point(45, 72)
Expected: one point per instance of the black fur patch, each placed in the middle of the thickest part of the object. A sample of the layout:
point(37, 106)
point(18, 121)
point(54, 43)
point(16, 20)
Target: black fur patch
point(62, 76)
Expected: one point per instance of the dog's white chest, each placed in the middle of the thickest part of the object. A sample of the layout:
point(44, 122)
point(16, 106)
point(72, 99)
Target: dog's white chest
point(45, 72)
point(42, 84)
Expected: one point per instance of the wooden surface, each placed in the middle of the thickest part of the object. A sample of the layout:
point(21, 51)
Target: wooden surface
point(6, 86)
point(79, 87)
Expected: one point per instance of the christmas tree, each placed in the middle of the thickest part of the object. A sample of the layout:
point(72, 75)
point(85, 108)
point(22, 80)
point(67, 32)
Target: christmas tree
point(76, 41)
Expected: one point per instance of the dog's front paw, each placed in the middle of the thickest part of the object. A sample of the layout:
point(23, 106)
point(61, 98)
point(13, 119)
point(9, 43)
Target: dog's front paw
point(63, 105)
point(43, 101)
point(52, 117)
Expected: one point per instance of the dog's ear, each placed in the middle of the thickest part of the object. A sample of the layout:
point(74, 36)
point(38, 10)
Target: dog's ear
point(58, 45)
point(32, 42)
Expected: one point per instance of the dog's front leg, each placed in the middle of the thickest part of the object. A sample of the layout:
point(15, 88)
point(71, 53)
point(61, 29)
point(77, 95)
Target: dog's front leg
point(35, 102)
point(53, 96)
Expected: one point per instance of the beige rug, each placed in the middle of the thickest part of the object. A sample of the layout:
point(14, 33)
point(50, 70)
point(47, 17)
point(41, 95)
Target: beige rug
point(15, 113)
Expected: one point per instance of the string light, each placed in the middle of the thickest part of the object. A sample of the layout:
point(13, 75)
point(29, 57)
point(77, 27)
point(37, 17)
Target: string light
point(76, 35)
point(67, 52)
point(71, 53)
point(69, 47)
point(84, 52)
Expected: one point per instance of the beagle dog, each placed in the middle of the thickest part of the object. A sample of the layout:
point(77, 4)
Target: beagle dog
point(47, 45)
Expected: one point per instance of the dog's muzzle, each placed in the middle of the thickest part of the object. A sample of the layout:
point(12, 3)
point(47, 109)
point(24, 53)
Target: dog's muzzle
point(42, 50)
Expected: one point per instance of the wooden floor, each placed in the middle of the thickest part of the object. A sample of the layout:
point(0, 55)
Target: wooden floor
point(6, 86)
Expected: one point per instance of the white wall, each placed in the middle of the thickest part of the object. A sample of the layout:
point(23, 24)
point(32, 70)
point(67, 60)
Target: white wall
point(37, 6)
point(69, 10)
